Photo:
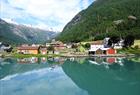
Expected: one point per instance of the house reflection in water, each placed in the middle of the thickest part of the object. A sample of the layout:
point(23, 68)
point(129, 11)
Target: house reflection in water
point(106, 60)
point(62, 60)
point(111, 60)
point(59, 60)
point(43, 60)
point(27, 60)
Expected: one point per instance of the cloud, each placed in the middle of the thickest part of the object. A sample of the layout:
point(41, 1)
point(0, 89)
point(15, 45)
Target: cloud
point(43, 13)
point(85, 3)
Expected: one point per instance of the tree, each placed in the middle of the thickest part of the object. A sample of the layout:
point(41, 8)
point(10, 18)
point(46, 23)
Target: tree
point(87, 45)
point(51, 48)
point(129, 41)
point(74, 45)
point(113, 40)
point(9, 50)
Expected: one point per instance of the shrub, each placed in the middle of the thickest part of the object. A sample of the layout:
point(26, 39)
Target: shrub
point(87, 45)
point(136, 47)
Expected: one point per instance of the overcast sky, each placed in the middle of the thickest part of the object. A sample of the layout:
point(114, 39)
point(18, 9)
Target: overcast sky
point(44, 14)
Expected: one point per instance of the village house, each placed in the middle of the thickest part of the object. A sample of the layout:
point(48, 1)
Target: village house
point(95, 47)
point(33, 49)
point(98, 47)
point(47, 44)
point(69, 45)
point(43, 50)
point(25, 49)
point(58, 45)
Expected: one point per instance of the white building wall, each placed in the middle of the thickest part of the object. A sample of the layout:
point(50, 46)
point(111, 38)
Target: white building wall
point(96, 46)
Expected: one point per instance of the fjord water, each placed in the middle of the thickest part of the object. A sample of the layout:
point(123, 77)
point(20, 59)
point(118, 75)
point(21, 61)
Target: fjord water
point(70, 76)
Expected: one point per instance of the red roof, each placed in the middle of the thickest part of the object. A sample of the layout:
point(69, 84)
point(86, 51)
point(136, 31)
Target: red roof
point(97, 42)
point(27, 48)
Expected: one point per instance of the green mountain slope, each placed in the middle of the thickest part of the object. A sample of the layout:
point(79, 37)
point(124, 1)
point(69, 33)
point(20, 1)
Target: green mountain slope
point(17, 34)
point(104, 18)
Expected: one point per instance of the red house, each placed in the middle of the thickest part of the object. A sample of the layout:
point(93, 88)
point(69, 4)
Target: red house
point(111, 51)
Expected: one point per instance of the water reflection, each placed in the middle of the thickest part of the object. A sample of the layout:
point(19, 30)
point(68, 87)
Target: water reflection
point(78, 76)
point(41, 60)
point(27, 60)
point(32, 60)
point(108, 60)
point(105, 76)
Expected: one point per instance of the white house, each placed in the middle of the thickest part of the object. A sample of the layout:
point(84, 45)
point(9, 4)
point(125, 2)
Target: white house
point(98, 47)
point(47, 44)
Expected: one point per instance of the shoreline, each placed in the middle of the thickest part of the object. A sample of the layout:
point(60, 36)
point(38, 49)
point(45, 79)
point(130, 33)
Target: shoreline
point(115, 55)
point(64, 55)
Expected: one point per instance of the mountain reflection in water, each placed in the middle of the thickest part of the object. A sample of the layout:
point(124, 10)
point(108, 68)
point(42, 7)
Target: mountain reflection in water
point(79, 76)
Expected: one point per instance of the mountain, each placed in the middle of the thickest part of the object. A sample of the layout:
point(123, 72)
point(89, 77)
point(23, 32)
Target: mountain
point(104, 18)
point(17, 34)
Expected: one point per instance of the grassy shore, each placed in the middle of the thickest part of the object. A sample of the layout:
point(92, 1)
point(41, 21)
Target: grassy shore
point(123, 52)
point(129, 51)
point(33, 55)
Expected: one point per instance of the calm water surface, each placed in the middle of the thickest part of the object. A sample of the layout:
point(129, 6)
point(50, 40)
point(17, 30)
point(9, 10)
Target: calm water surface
point(70, 76)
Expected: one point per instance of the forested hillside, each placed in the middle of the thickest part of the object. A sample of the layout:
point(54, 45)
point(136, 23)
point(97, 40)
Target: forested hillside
point(104, 18)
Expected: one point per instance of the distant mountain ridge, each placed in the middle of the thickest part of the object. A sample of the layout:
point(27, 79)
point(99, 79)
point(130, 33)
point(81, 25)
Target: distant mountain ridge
point(17, 34)
point(104, 18)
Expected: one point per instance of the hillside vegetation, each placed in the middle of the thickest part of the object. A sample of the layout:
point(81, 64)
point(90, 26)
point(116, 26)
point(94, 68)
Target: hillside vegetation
point(17, 34)
point(104, 18)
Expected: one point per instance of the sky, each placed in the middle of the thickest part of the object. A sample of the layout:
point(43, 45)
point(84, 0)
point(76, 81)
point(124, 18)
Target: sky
point(45, 14)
